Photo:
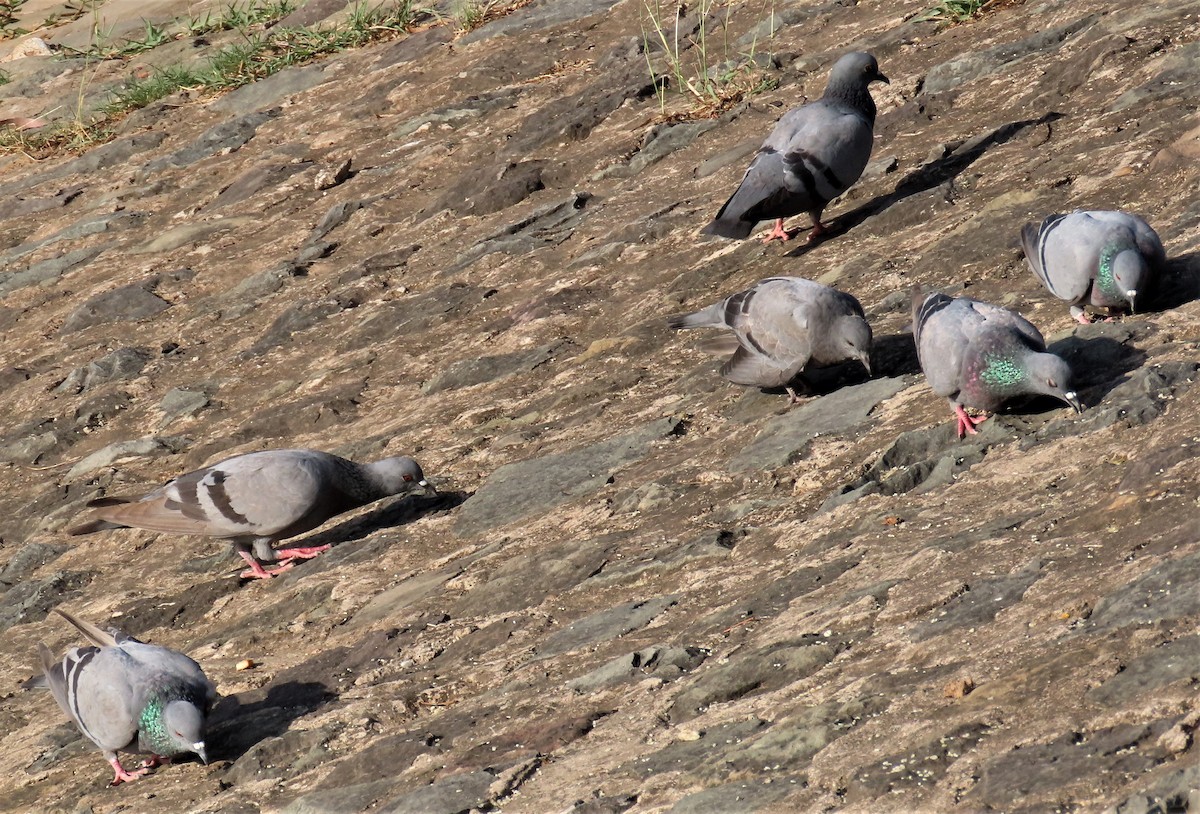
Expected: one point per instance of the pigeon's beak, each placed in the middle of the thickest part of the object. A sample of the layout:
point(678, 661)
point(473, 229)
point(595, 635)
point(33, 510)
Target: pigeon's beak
point(866, 362)
point(881, 78)
point(427, 486)
point(199, 748)
point(1132, 296)
point(1070, 398)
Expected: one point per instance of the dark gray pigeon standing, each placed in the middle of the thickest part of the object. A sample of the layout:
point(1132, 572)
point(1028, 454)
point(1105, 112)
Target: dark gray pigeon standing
point(258, 498)
point(981, 355)
point(814, 154)
point(129, 696)
point(1100, 258)
point(782, 325)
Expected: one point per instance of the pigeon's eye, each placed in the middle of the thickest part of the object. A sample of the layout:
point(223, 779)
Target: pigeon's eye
point(408, 477)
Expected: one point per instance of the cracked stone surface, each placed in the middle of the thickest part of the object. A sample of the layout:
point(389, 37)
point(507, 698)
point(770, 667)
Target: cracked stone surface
point(640, 588)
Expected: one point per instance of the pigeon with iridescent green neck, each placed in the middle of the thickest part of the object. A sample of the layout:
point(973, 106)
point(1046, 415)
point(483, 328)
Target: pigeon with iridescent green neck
point(129, 696)
point(1099, 258)
point(981, 355)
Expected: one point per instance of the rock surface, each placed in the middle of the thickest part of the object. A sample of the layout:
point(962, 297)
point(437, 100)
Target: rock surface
point(643, 589)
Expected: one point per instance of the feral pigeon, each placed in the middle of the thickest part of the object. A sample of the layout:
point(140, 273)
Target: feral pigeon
point(258, 498)
point(814, 154)
point(1098, 258)
point(980, 355)
point(129, 696)
point(781, 326)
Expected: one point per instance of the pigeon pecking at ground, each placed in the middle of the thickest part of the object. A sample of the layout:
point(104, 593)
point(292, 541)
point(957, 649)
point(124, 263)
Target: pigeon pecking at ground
point(258, 498)
point(814, 154)
point(1100, 258)
point(980, 355)
point(781, 326)
point(129, 696)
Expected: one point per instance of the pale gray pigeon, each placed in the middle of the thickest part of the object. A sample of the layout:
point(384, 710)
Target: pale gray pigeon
point(781, 326)
point(981, 355)
point(129, 696)
point(1100, 258)
point(814, 154)
point(258, 498)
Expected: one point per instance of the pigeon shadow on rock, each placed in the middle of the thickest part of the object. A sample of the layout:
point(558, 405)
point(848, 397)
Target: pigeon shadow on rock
point(234, 728)
point(388, 515)
point(926, 177)
point(1178, 283)
point(1098, 363)
point(895, 355)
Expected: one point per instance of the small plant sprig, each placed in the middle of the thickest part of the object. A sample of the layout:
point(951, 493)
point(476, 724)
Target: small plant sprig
point(8, 19)
point(711, 82)
point(953, 11)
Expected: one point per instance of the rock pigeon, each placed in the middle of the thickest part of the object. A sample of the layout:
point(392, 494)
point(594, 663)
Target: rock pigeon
point(782, 325)
point(980, 355)
point(1098, 258)
point(814, 154)
point(258, 498)
point(129, 696)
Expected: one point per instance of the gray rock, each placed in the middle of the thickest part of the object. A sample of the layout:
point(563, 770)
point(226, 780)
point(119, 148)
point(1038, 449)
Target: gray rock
point(978, 64)
point(282, 757)
point(122, 363)
point(51, 269)
point(93, 225)
point(125, 304)
point(699, 757)
point(255, 179)
point(180, 403)
point(763, 670)
point(525, 580)
point(27, 449)
point(32, 599)
point(660, 661)
point(489, 368)
point(268, 92)
point(785, 438)
point(28, 559)
point(747, 796)
point(538, 16)
point(922, 766)
point(979, 603)
point(227, 136)
point(1125, 750)
point(340, 800)
point(1176, 793)
point(660, 141)
point(1170, 590)
point(1169, 662)
point(451, 795)
point(520, 489)
point(189, 233)
point(138, 448)
point(605, 625)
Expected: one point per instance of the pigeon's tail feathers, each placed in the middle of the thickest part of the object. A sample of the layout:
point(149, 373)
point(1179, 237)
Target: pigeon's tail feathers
point(93, 526)
point(710, 317)
point(38, 682)
point(731, 228)
point(90, 632)
point(102, 502)
point(719, 345)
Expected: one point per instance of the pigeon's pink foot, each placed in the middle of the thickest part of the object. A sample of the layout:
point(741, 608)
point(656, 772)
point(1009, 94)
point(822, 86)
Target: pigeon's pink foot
point(301, 553)
point(123, 776)
point(778, 233)
point(966, 423)
point(817, 230)
point(256, 570)
point(1083, 318)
